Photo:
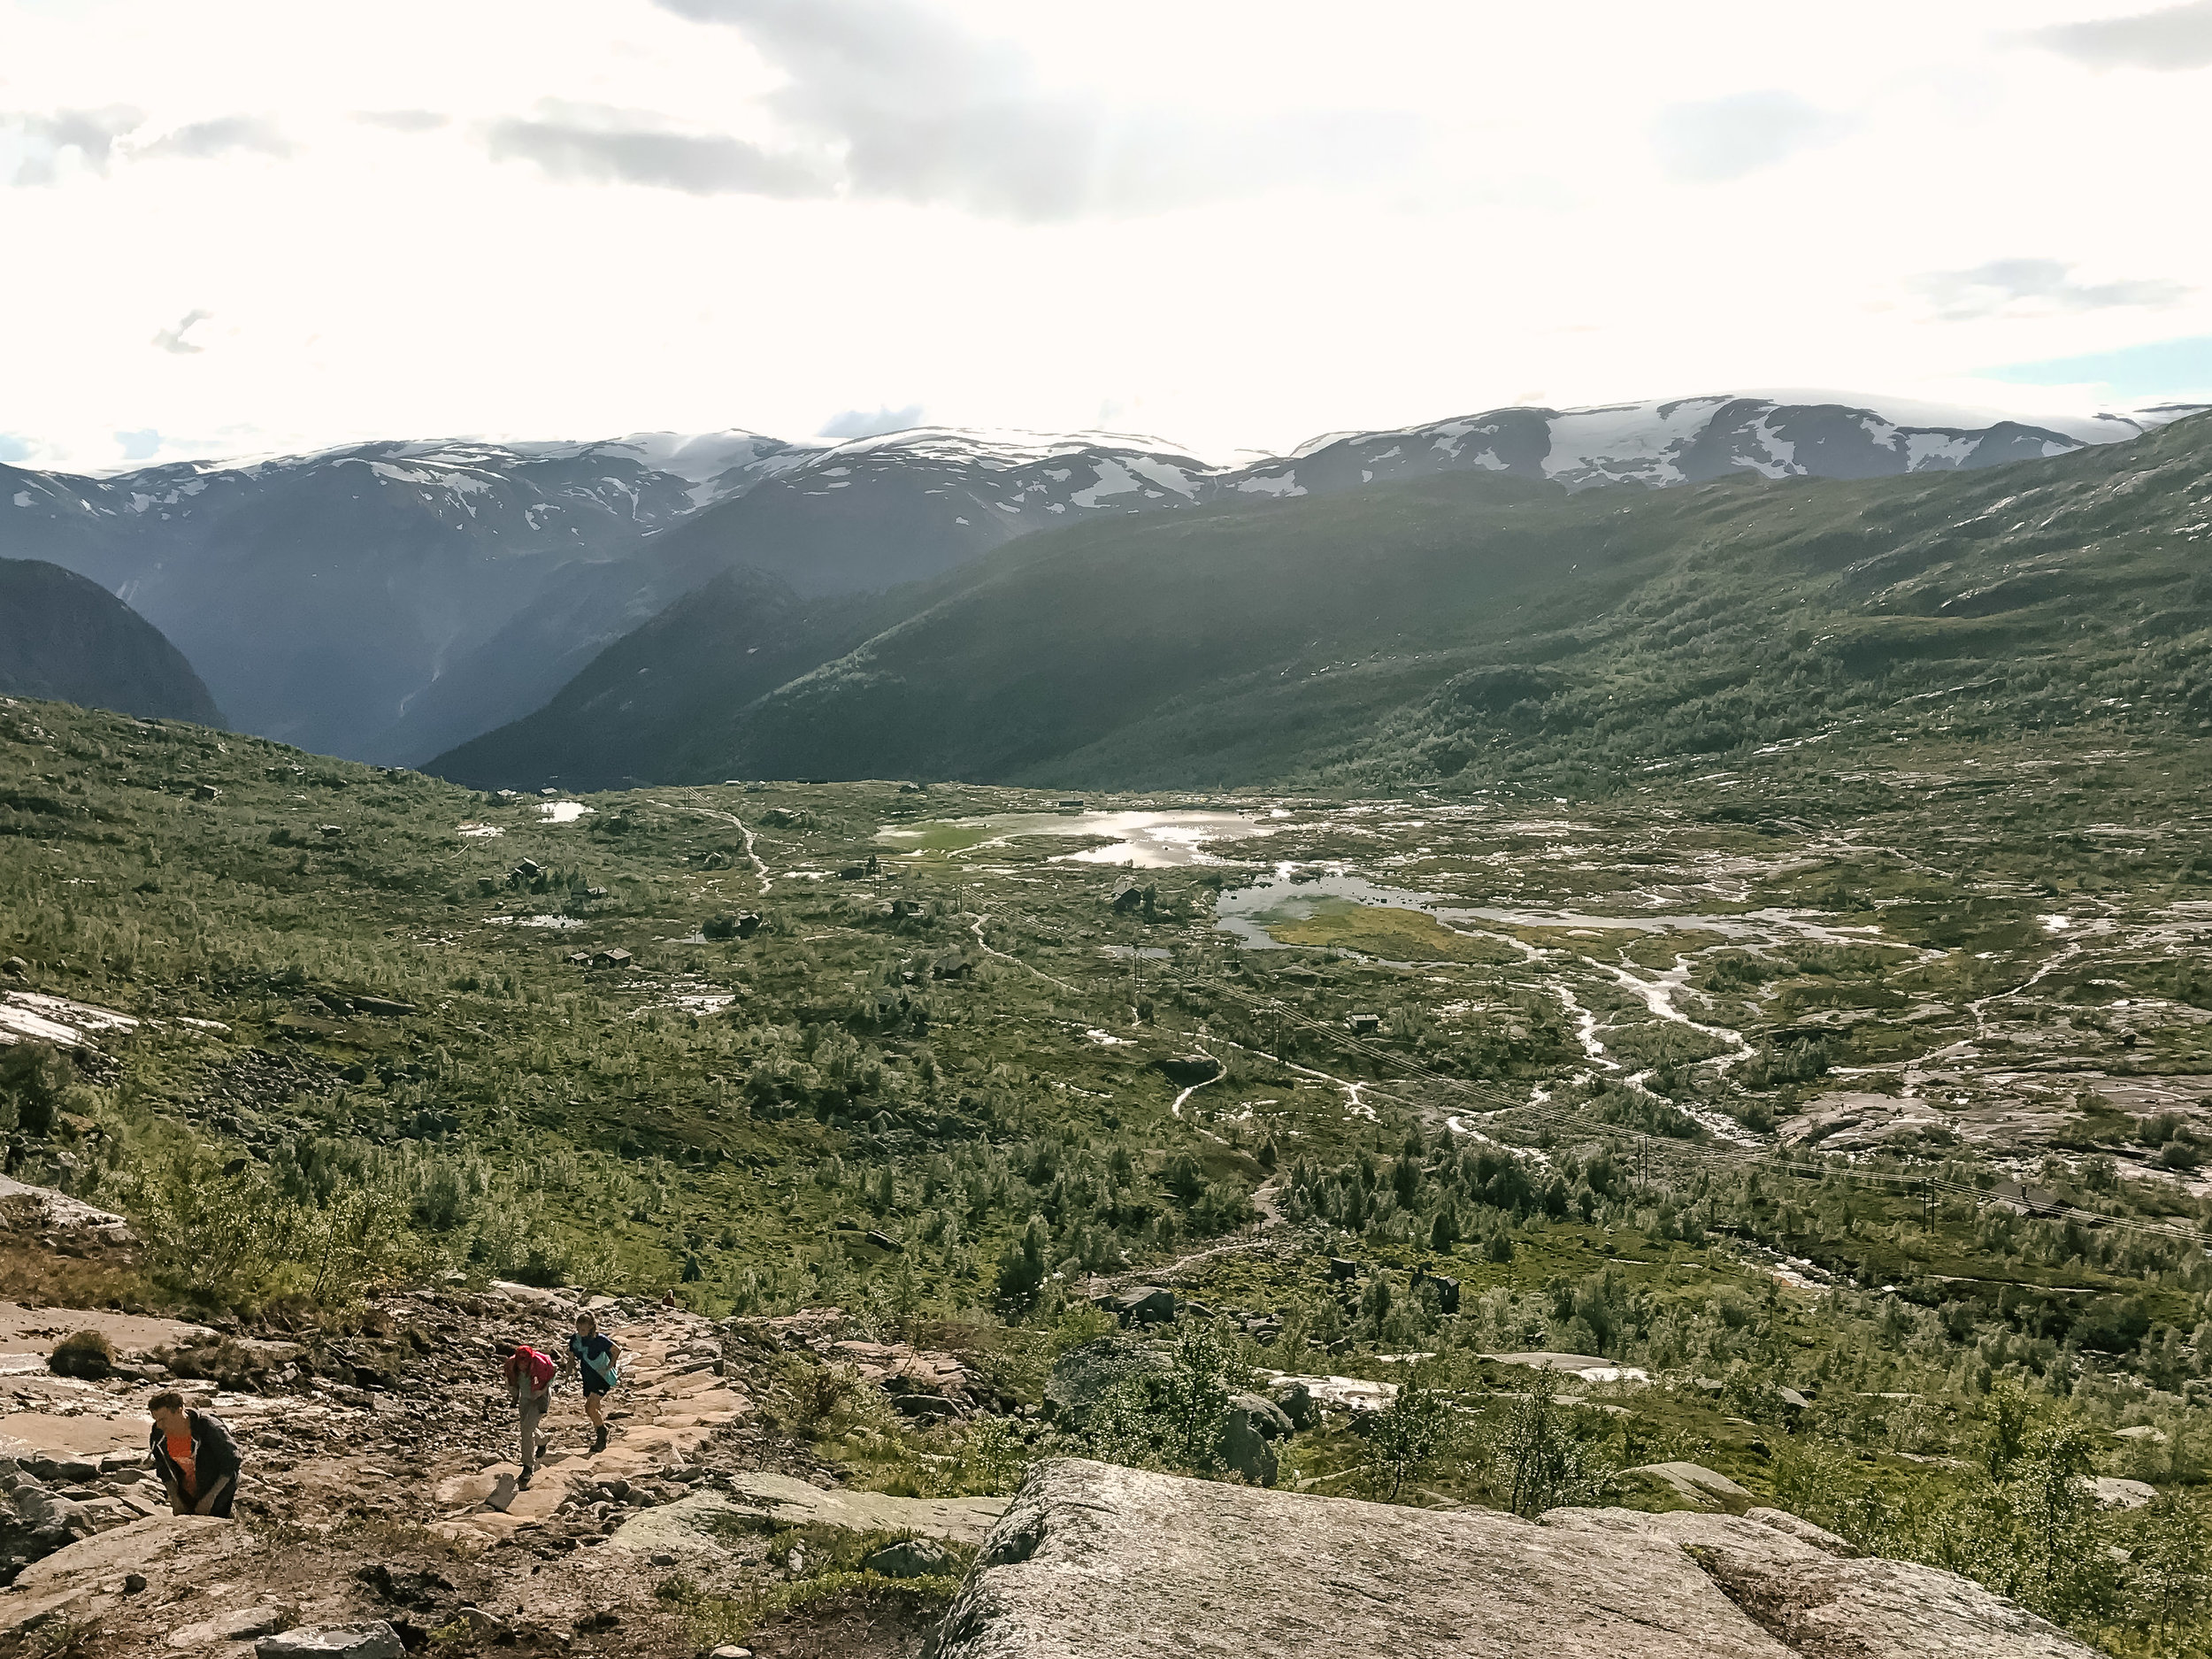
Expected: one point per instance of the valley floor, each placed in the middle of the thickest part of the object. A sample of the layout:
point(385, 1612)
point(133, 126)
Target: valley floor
point(1842, 1118)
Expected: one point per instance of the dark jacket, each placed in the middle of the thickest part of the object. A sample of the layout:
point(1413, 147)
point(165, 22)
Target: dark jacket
point(214, 1455)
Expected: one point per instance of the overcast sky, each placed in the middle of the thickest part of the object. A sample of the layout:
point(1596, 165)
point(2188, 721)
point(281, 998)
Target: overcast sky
point(228, 227)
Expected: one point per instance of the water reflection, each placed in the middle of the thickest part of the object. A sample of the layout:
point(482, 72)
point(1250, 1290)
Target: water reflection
point(1142, 841)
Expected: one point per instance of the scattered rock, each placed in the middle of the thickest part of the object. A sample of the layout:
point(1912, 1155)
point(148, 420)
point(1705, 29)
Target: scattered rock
point(1140, 1304)
point(2115, 1492)
point(1242, 1447)
point(375, 1639)
point(1296, 1400)
point(930, 1408)
point(242, 1624)
point(1344, 1394)
point(914, 1558)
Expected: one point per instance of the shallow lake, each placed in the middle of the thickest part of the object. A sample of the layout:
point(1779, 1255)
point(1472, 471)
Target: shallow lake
point(1142, 841)
point(1248, 913)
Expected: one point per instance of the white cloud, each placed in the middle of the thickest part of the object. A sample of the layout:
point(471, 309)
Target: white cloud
point(2036, 285)
point(47, 143)
point(917, 107)
point(173, 340)
point(224, 135)
point(2176, 37)
point(1232, 225)
point(404, 120)
point(1726, 138)
point(861, 423)
point(591, 145)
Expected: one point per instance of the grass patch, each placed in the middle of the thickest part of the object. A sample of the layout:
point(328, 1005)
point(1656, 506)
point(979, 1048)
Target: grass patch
point(1382, 930)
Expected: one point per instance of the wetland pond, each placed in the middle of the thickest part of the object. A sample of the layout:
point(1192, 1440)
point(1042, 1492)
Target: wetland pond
point(1353, 913)
point(1141, 840)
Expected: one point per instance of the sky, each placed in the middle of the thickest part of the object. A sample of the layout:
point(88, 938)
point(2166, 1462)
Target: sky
point(234, 227)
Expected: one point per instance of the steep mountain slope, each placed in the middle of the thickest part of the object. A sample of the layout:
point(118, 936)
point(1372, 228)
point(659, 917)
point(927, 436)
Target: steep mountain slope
point(1471, 626)
point(734, 639)
point(68, 639)
point(391, 599)
point(324, 592)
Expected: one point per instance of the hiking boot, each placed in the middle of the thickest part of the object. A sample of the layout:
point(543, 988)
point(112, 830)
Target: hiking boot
point(523, 1484)
point(599, 1439)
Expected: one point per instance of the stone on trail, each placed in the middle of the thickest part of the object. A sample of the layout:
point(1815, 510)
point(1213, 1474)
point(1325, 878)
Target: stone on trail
point(241, 1624)
point(372, 1639)
point(913, 1558)
point(1104, 1563)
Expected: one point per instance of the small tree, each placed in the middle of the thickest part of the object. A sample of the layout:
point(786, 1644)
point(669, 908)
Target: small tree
point(1541, 1464)
point(1172, 1418)
point(2004, 1440)
point(1406, 1435)
point(2169, 1580)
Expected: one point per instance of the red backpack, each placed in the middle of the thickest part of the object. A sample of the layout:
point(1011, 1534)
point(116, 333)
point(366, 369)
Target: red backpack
point(540, 1367)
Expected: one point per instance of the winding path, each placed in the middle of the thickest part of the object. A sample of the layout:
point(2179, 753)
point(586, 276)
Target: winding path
point(760, 869)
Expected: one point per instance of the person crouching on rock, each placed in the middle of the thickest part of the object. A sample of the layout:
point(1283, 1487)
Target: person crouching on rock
point(529, 1377)
point(194, 1456)
point(594, 1357)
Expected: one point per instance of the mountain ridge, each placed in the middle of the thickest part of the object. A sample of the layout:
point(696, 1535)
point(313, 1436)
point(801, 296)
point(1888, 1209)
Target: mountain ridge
point(391, 599)
point(1405, 631)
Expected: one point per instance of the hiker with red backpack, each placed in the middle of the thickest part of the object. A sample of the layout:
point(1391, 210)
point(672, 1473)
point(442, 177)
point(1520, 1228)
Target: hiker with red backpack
point(529, 1378)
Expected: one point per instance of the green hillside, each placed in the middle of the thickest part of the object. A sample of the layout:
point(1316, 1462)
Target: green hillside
point(1457, 631)
point(64, 636)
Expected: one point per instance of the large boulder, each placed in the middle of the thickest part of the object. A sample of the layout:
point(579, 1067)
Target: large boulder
point(1294, 1400)
point(1083, 1377)
point(1243, 1447)
point(1694, 1483)
point(1139, 1304)
point(1106, 1563)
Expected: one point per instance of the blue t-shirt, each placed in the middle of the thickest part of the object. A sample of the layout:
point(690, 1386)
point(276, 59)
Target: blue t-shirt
point(595, 1355)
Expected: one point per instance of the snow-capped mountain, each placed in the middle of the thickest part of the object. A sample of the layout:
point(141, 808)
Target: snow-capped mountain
point(322, 595)
point(389, 599)
point(1690, 441)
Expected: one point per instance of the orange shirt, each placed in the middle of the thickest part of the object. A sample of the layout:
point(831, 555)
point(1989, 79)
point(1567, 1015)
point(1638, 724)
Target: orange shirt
point(180, 1454)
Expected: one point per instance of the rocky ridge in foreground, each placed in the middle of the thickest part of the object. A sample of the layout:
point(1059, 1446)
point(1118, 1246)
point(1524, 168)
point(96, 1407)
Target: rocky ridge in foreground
point(1107, 1562)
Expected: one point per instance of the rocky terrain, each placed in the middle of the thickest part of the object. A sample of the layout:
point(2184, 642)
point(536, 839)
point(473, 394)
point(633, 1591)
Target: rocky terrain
point(380, 1514)
point(1091, 1560)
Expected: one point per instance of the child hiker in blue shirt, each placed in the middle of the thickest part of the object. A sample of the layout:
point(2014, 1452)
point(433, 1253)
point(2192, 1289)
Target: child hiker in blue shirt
point(596, 1358)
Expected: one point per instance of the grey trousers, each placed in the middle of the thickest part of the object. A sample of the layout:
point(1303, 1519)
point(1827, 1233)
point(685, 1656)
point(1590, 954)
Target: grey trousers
point(531, 1406)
